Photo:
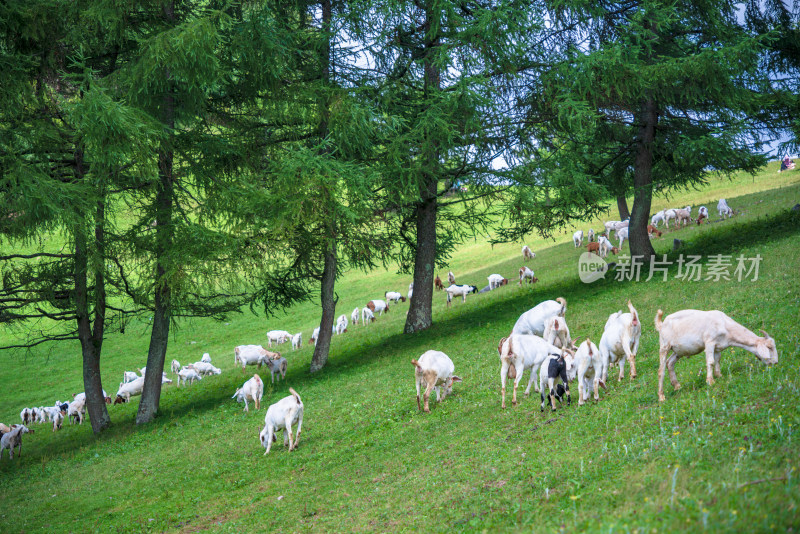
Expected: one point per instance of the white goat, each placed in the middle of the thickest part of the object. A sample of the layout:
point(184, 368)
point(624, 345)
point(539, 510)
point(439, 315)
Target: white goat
point(589, 364)
point(297, 341)
point(683, 216)
point(13, 439)
point(591, 235)
point(176, 366)
point(355, 316)
point(622, 234)
point(250, 355)
point(129, 376)
point(434, 369)
point(577, 238)
point(620, 341)
point(669, 215)
point(527, 275)
point(658, 218)
point(459, 291)
point(253, 390)
point(532, 322)
point(556, 332)
point(527, 253)
point(126, 391)
point(394, 296)
point(77, 409)
point(367, 316)
point(410, 290)
point(605, 246)
point(281, 416)
point(341, 324)
point(205, 369)
point(724, 210)
point(206, 358)
point(451, 278)
point(610, 226)
point(378, 306)
point(495, 281)
point(315, 335)
point(689, 332)
point(518, 353)
point(277, 336)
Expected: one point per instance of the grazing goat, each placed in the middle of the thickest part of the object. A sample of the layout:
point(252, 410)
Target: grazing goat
point(206, 358)
point(13, 439)
point(669, 215)
point(437, 282)
point(205, 369)
point(527, 253)
point(253, 390)
point(593, 247)
point(689, 332)
point(394, 296)
point(367, 316)
point(589, 364)
point(495, 281)
point(354, 317)
point(606, 246)
point(620, 341)
point(556, 368)
point(176, 366)
point(58, 421)
point(276, 365)
point(281, 416)
point(519, 352)
point(451, 278)
point(556, 332)
point(622, 234)
point(658, 218)
point(277, 336)
point(577, 238)
point(462, 291)
point(341, 324)
point(26, 415)
point(435, 369)
point(622, 224)
point(126, 391)
point(77, 409)
point(252, 354)
point(591, 235)
point(526, 274)
point(297, 339)
point(724, 210)
point(610, 226)
point(315, 335)
point(653, 230)
point(683, 216)
point(702, 213)
point(378, 306)
point(532, 322)
point(129, 376)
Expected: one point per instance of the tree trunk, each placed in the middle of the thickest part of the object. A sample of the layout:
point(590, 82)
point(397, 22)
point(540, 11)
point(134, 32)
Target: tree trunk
point(91, 344)
point(420, 309)
point(643, 183)
point(159, 335)
point(322, 348)
point(622, 206)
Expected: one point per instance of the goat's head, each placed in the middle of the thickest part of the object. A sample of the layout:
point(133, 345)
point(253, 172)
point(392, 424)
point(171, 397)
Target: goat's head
point(119, 400)
point(766, 349)
point(448, 384)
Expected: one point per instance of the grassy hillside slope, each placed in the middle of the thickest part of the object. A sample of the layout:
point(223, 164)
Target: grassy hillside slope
point(720, 458)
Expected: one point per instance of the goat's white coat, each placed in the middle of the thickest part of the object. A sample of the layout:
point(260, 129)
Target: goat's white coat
point(523, 351)
point(620, 341)
point(253, 390)
point(532, 321)
point(281, 416)
point(434, 369)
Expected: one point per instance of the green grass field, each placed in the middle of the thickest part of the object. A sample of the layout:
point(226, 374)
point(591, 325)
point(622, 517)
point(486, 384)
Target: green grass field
point(720, 458)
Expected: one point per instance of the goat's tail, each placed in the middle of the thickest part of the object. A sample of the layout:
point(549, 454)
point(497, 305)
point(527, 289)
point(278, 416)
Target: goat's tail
point(500, 345)
point(563, 303)
point(634, 314)
point(283, 367)
point(416, 364)
point(658, 321)
point(296, 395)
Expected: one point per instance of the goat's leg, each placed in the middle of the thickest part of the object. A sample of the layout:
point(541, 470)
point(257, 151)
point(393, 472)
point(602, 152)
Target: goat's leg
point(287, 432)
point(503, 377)
point(710, 363)
point(596, 387)
point(673, 378)
point(662, 363)
point(582, 392)
point(531, 381)
point(551, 388)
point(270, 433)
point(427, 396)
point(297, 434)
point(621, 369)
point(717, 370)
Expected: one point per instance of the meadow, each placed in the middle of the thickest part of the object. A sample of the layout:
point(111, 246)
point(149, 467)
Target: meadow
point(717, 458)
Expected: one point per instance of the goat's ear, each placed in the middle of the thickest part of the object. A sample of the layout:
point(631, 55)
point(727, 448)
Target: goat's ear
point(456, 378)
point(763, 333)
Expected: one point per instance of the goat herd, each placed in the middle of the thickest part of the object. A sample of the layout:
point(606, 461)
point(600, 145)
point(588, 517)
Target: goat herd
point(540, 341)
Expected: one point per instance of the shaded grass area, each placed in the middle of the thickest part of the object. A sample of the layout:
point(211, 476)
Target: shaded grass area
point(368, 461)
